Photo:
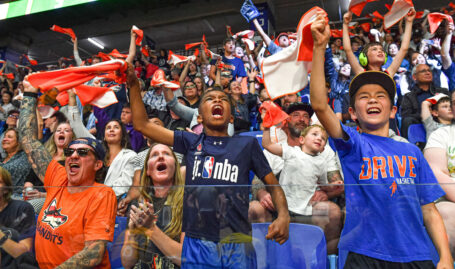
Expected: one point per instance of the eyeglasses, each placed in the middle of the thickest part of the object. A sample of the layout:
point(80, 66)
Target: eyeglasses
point(82, 152)
point(13, 116)
point(190, 86)
point(424, 71)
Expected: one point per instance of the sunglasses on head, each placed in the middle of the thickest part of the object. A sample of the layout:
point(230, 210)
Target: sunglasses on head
point(82, 152)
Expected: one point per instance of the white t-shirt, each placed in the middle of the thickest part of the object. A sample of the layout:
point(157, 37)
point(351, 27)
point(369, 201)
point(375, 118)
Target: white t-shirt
point(277, 135)
point(300, 176)
point(444, 138)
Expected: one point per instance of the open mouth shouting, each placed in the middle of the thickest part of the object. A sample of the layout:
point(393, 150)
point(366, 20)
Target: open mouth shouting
point(61, 139)
point(74, 168)
point(217, 111)
point(373, 111)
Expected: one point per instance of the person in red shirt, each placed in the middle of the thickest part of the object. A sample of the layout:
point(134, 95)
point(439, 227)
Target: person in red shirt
point(78, 215)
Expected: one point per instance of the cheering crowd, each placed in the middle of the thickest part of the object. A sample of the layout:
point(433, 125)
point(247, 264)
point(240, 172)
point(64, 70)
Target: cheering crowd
point(168, 141)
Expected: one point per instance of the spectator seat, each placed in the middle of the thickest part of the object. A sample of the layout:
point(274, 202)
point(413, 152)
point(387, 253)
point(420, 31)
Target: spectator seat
point(305, 248)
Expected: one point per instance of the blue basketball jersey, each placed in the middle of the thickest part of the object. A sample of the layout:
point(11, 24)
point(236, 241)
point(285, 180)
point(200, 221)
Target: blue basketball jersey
point(387, 182)
point(216, 195)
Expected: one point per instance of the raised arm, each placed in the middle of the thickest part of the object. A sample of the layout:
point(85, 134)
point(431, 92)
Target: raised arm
point(132, 49)
point(77, 58)
point(318, 94)
point(74, 117)
point(37, 155)
point(89, 257)
point(204, 59)
point(261, 32)
point(180, 110)
point(392, 69)
point(184, 74)
point(269, 145)
point(355, 65)
point(140, 122)
point(251, 80)
point(445, 48)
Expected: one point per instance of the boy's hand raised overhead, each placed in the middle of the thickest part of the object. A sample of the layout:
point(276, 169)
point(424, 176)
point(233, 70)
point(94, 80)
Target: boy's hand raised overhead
point(320, 30)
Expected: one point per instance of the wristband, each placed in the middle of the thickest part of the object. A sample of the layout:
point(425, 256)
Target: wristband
point(31, 94)
point(251, 81)
point(6, 236)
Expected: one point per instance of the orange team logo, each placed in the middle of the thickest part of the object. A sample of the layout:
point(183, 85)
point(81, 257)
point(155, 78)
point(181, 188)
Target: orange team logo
point(52, 215)
point(393, 187)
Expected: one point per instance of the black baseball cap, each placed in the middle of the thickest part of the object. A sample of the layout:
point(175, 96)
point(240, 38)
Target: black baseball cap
point(95, 144)
point(300, 106)
point(373, 77)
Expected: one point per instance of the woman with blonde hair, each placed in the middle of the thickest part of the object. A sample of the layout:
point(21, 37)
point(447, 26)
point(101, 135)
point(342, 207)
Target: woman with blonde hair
point(154, 237)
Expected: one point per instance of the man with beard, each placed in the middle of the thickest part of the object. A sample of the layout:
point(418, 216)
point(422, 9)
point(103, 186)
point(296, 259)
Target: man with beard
point(263, 210)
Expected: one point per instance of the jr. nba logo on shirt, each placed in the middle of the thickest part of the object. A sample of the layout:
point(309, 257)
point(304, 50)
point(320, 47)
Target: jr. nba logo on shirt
point(208, 167)
point(211, 169)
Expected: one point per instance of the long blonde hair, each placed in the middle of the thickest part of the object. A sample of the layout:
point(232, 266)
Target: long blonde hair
point(50, 143)
point(174, 197)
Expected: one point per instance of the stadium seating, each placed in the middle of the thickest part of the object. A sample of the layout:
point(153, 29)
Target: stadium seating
point(305, 248)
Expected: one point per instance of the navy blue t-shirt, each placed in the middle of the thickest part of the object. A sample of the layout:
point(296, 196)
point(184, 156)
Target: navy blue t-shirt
point(235, 65)
point(216, 195)
point(386, 183)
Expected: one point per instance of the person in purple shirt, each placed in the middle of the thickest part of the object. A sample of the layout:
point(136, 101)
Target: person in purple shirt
point(136, 138)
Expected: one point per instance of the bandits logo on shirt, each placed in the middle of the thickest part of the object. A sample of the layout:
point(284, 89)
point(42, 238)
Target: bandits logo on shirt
point(52, 215)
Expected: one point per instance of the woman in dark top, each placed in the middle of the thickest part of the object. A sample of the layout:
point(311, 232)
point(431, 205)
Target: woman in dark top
point(154, 236)
point(242, 105)
point(17, 220)
point(189, 90)
point(16, 162)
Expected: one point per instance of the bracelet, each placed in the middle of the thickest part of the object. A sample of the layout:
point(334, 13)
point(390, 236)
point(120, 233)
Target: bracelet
point(251, 81)
point(6, 236)
point(31, 94)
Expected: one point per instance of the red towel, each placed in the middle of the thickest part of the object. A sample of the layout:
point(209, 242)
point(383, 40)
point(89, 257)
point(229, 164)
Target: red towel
point(74, 77)
point(356, 6)
point(435, 19)
point(273, 114)
point(67, 31)
point(139, 35)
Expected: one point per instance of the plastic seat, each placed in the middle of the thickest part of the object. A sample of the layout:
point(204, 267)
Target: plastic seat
point(417, 133)
point(257, 134)
point(305, 248)
point(115, 247)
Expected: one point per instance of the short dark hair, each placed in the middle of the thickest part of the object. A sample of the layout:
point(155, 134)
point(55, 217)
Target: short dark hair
point(10, 94)
point(369, 45)
point(13, 111)
point(442, 100)
point(228, 39)
point(60, 117)
point(126, 105)
point(215, 89)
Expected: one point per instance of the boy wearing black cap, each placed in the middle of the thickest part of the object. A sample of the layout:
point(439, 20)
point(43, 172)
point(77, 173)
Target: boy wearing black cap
point(390, 187)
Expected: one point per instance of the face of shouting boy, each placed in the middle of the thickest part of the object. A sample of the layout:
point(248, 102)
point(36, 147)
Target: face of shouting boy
point(215, 112)
point(372, 108)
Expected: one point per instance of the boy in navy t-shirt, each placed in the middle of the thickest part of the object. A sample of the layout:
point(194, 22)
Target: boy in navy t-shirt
point(215, 207)
point(389, 186)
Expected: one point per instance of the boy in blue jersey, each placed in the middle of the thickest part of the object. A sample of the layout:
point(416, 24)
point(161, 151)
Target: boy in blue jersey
point(389, 186)
point(215, 207)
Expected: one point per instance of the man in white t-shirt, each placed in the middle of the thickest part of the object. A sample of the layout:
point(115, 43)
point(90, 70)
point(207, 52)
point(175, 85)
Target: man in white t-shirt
point(440, 154)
